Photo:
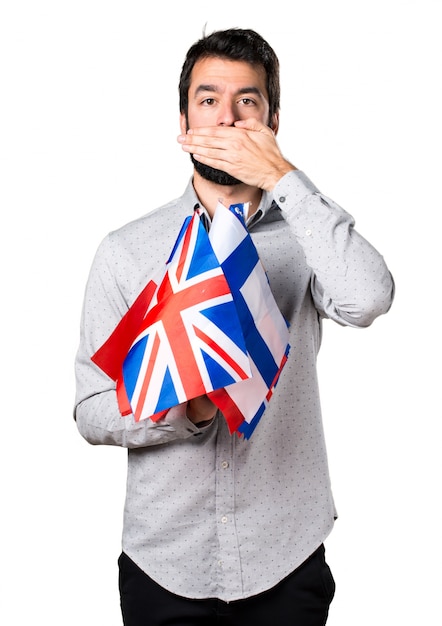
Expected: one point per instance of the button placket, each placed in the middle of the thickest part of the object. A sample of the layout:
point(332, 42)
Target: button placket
point(228, 561)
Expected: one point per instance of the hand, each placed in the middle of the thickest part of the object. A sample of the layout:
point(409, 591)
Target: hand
point(200, 409)
point(248, 151)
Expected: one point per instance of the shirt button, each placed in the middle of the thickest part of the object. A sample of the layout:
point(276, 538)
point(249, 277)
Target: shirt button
point(224, 519)
point(225, 464)
point(308, 232)
point(282, 199)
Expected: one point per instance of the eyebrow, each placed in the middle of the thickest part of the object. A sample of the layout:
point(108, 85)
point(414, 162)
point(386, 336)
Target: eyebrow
point(240, 92)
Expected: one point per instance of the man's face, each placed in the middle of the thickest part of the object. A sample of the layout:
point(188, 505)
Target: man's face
point(222, 92)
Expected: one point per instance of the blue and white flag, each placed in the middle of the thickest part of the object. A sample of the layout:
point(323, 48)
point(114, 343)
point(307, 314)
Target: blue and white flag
point(264, 328)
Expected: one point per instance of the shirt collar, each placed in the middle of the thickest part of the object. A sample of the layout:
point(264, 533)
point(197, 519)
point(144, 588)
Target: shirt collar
point(266, 204)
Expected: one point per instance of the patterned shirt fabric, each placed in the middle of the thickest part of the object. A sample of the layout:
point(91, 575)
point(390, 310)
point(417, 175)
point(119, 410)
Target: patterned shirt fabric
point(210, 514)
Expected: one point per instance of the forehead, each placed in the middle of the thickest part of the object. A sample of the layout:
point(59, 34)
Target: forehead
point(225, 74)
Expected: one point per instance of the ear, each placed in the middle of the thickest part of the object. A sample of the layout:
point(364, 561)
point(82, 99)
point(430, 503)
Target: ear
point(275, 123)
point(183, 124)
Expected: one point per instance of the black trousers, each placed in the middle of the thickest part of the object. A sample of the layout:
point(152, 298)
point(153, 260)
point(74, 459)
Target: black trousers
point(301, 599)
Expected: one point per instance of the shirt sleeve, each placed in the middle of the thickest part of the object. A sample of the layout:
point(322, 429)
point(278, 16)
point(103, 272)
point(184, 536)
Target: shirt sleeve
point(96, 409)
point(351, 283)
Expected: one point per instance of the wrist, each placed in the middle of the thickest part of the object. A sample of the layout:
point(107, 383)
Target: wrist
point(203, 423)
point(200, 410)
point(277, 174)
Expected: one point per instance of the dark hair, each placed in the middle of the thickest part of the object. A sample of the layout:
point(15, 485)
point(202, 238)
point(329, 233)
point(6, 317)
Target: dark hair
point(234, 44)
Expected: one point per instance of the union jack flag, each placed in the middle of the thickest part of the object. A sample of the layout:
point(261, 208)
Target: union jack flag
point(207, 325)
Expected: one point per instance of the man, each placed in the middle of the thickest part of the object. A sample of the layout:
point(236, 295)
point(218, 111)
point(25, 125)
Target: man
point(219, 529)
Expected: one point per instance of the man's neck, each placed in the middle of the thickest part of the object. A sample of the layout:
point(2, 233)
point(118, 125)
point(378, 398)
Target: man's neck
point(209, 194)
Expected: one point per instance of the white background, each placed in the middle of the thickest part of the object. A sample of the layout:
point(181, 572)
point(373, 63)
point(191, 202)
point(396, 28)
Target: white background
point(88, 127)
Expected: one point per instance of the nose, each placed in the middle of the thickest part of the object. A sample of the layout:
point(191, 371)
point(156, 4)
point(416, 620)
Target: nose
point(227, 116)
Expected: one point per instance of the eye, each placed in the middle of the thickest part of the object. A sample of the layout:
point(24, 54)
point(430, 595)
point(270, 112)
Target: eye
point(247, 101)
point(208, 101)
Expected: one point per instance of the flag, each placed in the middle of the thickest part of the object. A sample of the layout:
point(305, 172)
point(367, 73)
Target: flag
point(264, 327)
point(207, 324)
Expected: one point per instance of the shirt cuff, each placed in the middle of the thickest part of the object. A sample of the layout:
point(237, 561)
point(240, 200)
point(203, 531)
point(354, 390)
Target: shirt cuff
point(292, 189)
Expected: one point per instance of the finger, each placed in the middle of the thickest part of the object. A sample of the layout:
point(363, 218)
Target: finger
point(251, 124)
point(211, 132)
point(203, 139)
point(195, 142)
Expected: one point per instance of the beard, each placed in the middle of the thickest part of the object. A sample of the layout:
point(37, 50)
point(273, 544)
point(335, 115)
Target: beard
point(213, 175)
